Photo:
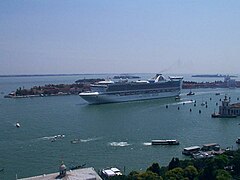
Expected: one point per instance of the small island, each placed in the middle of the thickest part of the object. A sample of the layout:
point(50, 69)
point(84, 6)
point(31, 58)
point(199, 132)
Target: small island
point(53, 89)
point(83, 85)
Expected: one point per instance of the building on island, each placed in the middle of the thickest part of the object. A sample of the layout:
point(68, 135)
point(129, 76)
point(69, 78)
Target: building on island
point(228, 110)
point(231, 83)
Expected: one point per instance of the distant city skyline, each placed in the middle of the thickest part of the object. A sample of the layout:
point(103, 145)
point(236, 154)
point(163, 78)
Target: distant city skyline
point(137, 36)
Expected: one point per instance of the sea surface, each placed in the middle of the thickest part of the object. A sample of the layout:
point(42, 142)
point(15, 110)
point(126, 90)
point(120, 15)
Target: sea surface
point(108, 135)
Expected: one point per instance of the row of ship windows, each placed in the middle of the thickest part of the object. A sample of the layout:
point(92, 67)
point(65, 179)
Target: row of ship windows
point(144, 92)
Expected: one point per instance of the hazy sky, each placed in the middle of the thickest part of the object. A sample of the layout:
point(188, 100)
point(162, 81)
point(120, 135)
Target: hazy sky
point(122, 36)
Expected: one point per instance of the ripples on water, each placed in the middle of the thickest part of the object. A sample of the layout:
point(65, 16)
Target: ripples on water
point(90, 139)
point(120, 144)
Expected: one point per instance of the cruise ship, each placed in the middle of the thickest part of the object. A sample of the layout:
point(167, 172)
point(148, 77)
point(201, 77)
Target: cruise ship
point(108, 91)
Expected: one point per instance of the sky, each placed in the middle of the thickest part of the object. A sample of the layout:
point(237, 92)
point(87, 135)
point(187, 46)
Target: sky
point(119, 36)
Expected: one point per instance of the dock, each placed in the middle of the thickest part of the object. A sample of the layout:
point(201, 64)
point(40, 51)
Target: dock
point(80, 174)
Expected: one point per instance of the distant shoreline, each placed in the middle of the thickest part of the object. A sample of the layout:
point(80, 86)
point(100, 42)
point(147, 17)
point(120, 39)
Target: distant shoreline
point(213, 75)
point(45, 75)
point(41, 75)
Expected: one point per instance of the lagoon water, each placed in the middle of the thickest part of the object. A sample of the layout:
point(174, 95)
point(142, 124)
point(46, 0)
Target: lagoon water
point(109, 135)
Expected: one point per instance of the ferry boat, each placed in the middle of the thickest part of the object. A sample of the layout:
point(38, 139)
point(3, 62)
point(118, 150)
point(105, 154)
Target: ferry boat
point(191, 150)
point(165, 142)
point(122, 91)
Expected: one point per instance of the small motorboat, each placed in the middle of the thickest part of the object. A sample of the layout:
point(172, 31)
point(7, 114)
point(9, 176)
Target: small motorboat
point(17, 125)
point(215, 115)
point(190, 93)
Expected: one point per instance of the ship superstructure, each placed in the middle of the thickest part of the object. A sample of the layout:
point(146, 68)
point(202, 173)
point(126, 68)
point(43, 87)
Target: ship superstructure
point(109, 91)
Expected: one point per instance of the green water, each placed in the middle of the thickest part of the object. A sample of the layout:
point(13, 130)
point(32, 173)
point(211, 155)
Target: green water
point(110, 134)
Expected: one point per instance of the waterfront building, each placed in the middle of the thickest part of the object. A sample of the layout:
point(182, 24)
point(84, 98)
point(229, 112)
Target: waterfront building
point(231, 83)
point(228, 110)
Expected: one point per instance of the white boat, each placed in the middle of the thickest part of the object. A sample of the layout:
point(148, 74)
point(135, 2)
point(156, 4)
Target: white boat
point(165, 142)
point(191, 150)
point(123, 91)
point(190, 93)
point(110, 172)
point(18, 125)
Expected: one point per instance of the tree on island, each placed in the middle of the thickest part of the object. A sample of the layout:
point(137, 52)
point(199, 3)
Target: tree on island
point(174, 163)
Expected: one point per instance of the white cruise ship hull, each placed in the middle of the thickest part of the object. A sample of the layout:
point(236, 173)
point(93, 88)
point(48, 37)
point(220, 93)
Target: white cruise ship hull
point(98, 98)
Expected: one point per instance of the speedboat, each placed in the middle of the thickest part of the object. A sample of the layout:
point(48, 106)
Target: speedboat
point(17, 125)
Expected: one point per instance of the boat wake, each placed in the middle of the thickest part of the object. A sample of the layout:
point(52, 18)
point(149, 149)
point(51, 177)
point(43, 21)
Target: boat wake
point(147, 144)
point(46, 138)
point(119, 144)
point(89, 139)
point(52, 137)
point(184, 102)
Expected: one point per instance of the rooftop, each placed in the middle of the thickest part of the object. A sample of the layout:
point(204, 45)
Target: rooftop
point(236, 105)
point(78, 174)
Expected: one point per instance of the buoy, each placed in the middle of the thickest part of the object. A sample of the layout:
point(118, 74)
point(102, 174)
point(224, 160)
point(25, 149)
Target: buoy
point(166, 106)
point(190, 110)
point(206, 106)
point(178, 108)
point(194, 104)
point(210, 99)
point(216, 104)
point(199, 111)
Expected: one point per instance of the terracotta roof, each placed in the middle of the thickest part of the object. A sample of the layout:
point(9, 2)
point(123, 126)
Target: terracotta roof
point(236, 105)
